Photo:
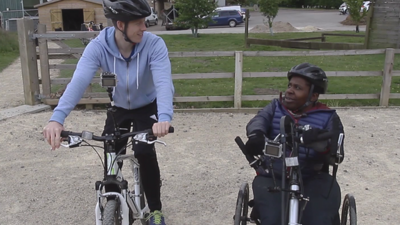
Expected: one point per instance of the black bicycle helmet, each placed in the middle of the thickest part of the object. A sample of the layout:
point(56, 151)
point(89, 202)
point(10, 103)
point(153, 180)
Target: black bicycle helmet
point(126, 10)
point(313, 74)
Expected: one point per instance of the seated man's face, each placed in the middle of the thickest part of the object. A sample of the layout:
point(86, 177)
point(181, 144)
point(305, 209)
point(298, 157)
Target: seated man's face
point(296, 93)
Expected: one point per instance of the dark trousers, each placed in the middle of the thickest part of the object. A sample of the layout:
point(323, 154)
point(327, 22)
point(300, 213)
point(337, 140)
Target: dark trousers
point(145, 153)
point(320, 210)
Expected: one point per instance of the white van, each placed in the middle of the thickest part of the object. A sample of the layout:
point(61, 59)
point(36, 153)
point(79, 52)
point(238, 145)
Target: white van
point(232, 7)
point(152, 19)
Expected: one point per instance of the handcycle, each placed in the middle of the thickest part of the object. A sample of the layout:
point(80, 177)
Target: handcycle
point(125, 206)
point(276, 149)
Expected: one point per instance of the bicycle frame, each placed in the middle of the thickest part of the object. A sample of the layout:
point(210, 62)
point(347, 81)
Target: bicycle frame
point(127, 199)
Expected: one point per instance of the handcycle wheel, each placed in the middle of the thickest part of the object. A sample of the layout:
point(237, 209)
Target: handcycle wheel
point(349, 209)
point(111, 213)
point(242, 202)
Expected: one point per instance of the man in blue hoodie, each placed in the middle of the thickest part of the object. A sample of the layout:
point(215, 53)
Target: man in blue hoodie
point(300, 102)
point(144, 92)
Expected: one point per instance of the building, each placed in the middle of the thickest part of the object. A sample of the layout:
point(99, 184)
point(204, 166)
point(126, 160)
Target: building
point(68, 15)
point(10, 10)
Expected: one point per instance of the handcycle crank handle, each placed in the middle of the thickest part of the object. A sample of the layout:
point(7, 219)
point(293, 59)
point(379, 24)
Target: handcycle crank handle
point(242, 147)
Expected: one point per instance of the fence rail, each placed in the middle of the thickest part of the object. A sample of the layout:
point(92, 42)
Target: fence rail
point(34, 96)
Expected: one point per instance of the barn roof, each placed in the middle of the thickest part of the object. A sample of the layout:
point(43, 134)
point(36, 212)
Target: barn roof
point(55, 1)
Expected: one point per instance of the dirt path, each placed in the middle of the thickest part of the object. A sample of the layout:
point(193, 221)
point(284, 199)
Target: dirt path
point(202, 169)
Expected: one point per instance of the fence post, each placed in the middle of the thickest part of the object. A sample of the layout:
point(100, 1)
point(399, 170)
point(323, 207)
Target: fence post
point(246, 29)
point(27, 52)
point(387, 77)
point(44, 62)
point(237, 98)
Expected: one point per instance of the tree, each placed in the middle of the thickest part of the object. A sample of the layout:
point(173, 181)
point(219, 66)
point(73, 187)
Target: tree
point(195, 13)
point(354, 8)
point(269, 9)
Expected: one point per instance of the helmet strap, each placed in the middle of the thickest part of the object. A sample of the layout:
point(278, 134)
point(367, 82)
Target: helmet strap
point(124, 33)
point(308, 102)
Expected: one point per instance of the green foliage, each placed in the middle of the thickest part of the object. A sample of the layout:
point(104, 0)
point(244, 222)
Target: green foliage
point(354, 8)
point(195, 13)
point(241, 2)
point(9, 49)
point(325, 4)
point(8, 41)
point(269, 9)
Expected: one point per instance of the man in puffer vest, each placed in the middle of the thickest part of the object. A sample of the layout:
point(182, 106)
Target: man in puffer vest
point(300, 101)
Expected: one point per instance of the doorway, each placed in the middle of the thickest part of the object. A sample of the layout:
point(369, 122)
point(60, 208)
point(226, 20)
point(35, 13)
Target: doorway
point(72, 19)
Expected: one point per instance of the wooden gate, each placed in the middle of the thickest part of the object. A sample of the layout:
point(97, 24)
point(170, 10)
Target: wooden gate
point(88, 15)
point(383, 26)
point(56, 19)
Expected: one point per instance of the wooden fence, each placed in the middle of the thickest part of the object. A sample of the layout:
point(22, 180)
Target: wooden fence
point(304, 43)
point(32, 81)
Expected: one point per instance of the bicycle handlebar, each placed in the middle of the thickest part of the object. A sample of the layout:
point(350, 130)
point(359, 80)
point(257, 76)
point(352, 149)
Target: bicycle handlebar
point(90, 136)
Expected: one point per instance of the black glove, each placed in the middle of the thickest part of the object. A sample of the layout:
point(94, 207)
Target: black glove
point(310, 136)
point(256, 143)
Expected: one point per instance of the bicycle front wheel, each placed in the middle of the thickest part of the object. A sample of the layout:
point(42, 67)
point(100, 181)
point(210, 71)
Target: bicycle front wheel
point(349, 209)
point(112, 213)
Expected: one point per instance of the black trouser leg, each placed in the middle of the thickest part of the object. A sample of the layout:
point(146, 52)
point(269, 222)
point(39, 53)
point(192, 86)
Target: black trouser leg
point(322, 209)
point(267, 204)
point(142, 118)
point(149, 169)
point(124, 123)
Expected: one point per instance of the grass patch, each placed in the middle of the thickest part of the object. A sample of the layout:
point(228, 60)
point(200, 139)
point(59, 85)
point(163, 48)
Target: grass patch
point(9, 49)
point(255, 86)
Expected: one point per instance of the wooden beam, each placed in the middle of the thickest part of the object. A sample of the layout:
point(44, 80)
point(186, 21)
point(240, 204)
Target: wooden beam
point(44, 62)
point(27, 52)
point(387, 78)
point(238, 79)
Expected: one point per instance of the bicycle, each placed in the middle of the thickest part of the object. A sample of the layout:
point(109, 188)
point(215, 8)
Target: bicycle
point(126, 206)
point(275, 149)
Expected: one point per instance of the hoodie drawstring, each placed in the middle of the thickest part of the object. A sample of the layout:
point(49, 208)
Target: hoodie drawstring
point(137, 71)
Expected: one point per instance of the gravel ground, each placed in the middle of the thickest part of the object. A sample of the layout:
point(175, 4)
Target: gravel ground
point(201, 167)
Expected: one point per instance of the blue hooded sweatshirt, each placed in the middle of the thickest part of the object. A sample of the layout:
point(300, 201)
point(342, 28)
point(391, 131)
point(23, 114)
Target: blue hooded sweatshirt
point(145, 76)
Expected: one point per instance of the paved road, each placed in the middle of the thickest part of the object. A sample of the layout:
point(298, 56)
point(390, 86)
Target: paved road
point(328, 20)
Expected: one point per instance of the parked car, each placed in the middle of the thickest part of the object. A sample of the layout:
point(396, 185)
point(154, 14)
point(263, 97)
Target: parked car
point(152, 19)
point(226, 17)
point(243, 11)
point(344, 8)
point(233, 7)
point(365, 6)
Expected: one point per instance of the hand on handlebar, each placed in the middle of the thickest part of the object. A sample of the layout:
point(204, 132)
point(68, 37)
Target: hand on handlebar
point(51, 133)
point(256, 143)
point(161, 129)
point(311, 135)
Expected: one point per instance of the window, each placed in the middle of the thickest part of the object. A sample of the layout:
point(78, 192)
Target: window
point(224, 13)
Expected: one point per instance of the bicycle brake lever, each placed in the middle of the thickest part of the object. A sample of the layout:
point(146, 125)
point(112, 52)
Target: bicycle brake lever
point(142, 137)
point(73, 141)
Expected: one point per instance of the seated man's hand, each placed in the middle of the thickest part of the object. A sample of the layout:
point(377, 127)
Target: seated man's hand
point(310, 136)
point(256, 143)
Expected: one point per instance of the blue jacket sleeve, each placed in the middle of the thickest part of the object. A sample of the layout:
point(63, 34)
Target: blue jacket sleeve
point(85, 70)
point(262, 121)
point(160, 67)
point(335, 124)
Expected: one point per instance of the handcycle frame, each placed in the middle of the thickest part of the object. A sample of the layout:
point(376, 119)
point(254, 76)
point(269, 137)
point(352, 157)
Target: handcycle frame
point(130, 206)
point(290, 206)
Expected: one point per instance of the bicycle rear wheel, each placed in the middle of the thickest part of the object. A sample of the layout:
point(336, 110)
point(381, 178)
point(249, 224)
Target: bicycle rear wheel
point(111, 213)
point(349, 210)
point(240, 217)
